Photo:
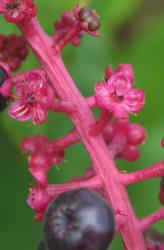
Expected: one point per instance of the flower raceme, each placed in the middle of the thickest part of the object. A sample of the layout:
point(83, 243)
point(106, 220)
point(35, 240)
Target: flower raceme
point(117, 96)
point(35, 97)
point(17, 10)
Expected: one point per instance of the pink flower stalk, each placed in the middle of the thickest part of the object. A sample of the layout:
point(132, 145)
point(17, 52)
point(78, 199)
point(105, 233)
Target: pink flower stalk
point(17, 10)
point(117, 96)
point(35, 97)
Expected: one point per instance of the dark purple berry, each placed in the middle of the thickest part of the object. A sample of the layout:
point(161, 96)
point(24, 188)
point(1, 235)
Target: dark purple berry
point(41, 245)
point(78, 219)
point(89, 16)
point(3, 103)
point(3, 75)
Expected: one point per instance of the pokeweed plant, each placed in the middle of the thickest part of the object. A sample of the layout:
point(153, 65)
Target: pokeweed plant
point(111, 136)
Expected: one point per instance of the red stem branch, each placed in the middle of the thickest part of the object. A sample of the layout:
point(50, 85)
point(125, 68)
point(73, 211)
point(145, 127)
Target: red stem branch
point(156, 170)
point(151, 219)
point(93, 183)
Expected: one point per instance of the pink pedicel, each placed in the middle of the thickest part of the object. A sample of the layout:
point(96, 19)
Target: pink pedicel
point(35, 97)
point(118, 97)
point(17, 10)
point(51, 88)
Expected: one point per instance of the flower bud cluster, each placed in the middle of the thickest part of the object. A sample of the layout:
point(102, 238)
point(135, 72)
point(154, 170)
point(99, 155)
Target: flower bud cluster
point(123, 138)
point(13, 50)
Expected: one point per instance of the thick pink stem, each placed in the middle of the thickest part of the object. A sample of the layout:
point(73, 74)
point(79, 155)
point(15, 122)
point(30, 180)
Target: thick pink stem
point(100, 123)
point(65, 141)
point(151, 219)
point(103, 164)
point(156, 170)
point(93, 183)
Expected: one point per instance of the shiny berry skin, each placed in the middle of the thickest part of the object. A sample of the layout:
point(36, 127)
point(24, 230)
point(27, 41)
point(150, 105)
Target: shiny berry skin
point(41, 245)
point(3, 103)
point(3, 75)
point(78, 219)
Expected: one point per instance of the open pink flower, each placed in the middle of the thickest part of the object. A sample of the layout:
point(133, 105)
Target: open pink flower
point(88, 20)
point(17, 10)
point(118, 97)
point(35, 97)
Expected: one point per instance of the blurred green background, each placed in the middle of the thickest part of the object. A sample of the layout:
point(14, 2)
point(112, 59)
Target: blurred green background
point(133, 33)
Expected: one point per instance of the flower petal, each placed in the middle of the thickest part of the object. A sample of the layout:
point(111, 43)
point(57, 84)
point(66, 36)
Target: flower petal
point(120, 112)
point(19, 111)
point(119, 83)
point(134, 100)
point(102, 97)
point(20, 89)
point(39, 115)
point(39, 175)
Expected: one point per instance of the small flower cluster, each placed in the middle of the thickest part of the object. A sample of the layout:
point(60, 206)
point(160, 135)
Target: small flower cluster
point(44, 152)
point(116, 94)
point(64, 26)
point(70, 30)
point(123, 138)
point(17, 10)
point(13, 50)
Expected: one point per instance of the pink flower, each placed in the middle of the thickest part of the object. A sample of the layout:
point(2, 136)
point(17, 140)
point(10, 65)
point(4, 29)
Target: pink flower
point(118, 97)
point(43, 154)
point(38, 200)
point(124, 68)
point(17, 10)
point(35, 97)
point(88, 20)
